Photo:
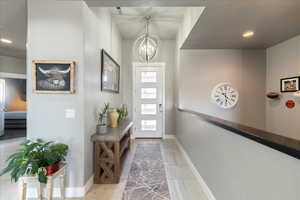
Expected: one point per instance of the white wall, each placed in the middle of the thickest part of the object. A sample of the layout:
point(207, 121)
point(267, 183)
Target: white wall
point(201, 70)
point(198, 71)
point(166, 54)
point(54, 34)
point(190, 18)
point(236, 168)
point(12, 65)
point(232, 166)
point(100, 33)
point(68, 30)
point(283, 61)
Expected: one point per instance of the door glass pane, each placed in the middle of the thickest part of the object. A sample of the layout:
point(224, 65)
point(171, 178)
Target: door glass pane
point(148, 93)
point(148, 125)
point(148, 109)
point(148, 77)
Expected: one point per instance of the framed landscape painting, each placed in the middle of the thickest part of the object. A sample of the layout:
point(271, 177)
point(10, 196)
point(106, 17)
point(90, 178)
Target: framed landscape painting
point(110, 73)
point(289, 84)
point(55, 77)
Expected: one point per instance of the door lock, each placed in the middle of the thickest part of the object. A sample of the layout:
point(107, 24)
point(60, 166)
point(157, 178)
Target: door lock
point(160, 108)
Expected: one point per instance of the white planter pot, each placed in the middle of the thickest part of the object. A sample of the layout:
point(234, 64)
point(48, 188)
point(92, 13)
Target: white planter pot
point(101, 129)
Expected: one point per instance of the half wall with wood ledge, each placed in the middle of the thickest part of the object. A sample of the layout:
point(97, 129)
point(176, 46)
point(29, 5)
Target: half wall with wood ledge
point(239, 162)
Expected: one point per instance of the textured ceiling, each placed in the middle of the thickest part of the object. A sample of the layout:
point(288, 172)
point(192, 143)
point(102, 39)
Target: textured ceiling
point(221, 26)
point(223, 21)
point(164, 21)
point(13, 26)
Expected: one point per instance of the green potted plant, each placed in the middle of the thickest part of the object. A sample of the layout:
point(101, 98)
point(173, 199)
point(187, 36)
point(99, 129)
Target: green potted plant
point(123, 112)
point(102, 117)
point(36, 158)
point(55, 156)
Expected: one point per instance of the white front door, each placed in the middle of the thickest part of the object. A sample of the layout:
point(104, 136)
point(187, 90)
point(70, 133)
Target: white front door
point(148, 100)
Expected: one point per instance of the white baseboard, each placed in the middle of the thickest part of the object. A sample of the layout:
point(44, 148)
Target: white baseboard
point(205, 187)
point(89, 184)
point(71, 192)
point(169, 136)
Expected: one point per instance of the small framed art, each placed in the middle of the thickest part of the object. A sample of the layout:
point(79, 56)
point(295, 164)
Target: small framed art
point(289, 84)
point(110, 73)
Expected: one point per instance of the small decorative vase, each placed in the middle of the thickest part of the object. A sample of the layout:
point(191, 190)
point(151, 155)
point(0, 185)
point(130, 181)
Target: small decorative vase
point(114, 116)
point(101, 129)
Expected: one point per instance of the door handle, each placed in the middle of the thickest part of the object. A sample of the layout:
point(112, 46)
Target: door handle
point(160, 108)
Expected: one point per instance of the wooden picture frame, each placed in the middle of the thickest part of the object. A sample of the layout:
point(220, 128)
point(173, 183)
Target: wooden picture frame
point(110, 71)
point(53, 76)
point(291, 84)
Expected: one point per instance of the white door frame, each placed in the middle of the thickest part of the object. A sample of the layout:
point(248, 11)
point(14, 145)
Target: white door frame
point(155, 64)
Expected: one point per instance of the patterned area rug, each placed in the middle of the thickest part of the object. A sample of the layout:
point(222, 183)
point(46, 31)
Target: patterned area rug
point(147, 176)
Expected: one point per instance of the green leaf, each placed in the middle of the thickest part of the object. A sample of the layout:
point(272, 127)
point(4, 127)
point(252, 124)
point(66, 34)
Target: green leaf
point(32, 157)
point(5, 170)
point(41, 175)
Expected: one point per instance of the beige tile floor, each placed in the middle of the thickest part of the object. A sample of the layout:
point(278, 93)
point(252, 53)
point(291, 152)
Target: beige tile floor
point(183, 184)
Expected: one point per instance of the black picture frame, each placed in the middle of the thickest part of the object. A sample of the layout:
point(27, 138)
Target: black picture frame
point(53, 76)
point(294, 88)
point(114, 86)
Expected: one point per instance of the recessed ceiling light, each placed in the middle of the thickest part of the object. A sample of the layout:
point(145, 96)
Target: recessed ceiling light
point(3, 40)
point(248, 34)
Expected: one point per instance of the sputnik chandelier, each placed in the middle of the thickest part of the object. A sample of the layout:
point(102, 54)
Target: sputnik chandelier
point(146, 45)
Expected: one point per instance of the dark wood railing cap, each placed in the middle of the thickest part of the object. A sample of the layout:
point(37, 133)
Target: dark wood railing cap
point(281, 143)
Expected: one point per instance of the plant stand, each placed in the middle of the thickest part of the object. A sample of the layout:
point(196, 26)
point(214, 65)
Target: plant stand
point(61, 174)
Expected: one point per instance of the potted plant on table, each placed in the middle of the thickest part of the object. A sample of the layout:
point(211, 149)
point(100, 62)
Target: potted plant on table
point(123, 112)
point(36, 158)
point(102, 117)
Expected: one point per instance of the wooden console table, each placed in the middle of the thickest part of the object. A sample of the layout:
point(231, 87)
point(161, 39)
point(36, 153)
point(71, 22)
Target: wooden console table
point(109, 152)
